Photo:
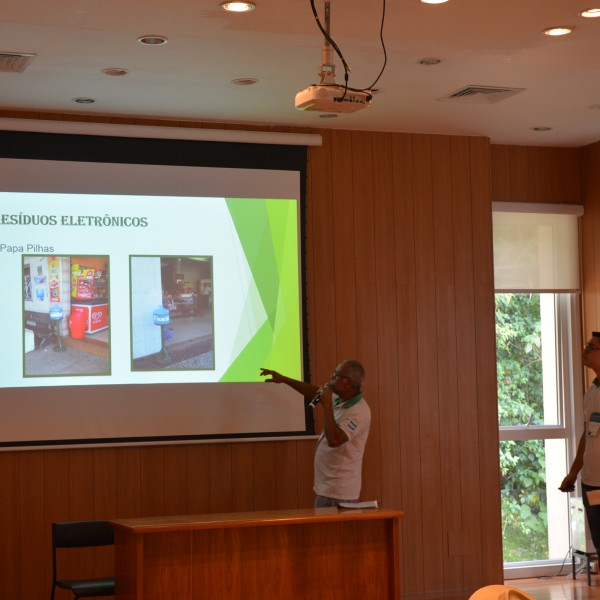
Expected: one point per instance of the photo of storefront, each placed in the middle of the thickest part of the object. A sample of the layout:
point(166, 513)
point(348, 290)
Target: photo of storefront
point(172, 324)
point(65, 315)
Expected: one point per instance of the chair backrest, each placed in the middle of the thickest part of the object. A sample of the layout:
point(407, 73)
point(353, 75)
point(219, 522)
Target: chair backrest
point(82, 534)
point(500, 592)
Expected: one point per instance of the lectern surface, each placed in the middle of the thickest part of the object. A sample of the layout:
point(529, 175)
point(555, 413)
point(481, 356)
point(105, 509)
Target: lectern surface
point(252, 519)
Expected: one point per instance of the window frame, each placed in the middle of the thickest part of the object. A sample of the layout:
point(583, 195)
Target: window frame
point(569, 371)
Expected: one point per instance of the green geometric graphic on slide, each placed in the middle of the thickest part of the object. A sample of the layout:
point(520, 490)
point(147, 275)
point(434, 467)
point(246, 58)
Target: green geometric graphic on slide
point(269, 238)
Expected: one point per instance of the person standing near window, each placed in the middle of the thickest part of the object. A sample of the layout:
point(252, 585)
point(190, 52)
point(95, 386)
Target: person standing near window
point(587, 459)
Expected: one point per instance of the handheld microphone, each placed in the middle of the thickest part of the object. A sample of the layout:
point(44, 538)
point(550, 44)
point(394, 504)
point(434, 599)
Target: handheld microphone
point(317, 397)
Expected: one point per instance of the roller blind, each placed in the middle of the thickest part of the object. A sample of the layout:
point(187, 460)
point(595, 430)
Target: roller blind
point(536, 247)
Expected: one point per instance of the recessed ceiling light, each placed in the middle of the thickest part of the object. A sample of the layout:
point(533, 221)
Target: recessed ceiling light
point(430, 60)
point(237, 6)
point(84, 100)
point(153, 40)
point(244, 81)
point(541, 128)
point(590, 13)
point(434, 1)
point(557, 31)
point(115, 72)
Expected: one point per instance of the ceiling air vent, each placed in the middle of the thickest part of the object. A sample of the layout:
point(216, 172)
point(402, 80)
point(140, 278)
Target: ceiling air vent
point(483, 94)
point(14, 62)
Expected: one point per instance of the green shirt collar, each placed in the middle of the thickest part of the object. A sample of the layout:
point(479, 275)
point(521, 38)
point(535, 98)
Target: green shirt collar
point(350, 402)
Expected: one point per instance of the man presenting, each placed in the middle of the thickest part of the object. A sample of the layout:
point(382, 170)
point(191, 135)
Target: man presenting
point(587, 459)
point(347, 418)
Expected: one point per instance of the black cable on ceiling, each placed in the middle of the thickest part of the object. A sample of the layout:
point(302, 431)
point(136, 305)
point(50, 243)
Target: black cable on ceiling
point(341, 56)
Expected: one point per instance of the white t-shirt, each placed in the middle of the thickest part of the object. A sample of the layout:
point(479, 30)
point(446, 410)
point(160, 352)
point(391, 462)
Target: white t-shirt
point(590, 473)
point(338, 470)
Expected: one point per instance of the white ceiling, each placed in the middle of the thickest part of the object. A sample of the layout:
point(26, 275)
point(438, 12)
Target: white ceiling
point(480, 42)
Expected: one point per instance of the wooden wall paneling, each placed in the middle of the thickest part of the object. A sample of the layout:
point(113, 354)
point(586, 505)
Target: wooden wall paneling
point(105, 483)
point(591, 234)
point(551, 182)
point(389, 483)
point(149, 122)
point(129, 491)
point(542, 180)
point(10, 518)
point(152, 481)
point(264, 479)
point(365, 283)
point(571, 175)
point(557, 164)
point(18, 114)
point(554, 175)
point(589, 256)
point(31, 525)
point(100, 119)
point(413, 567)
point(81, 484)
point(105, 503)
point(344, 234)
point(536, 174)
point(590, 244)
point(175, 478)
point(243, 474)
point(519, 174)
point(323, 352)
point(446, 294)
point(220, 478)
point(468, 540)
point(427, 371)
point(501, 191)
point(81, 503)
point(315, 158)
point(305, 452)
point(286, 474)
point(367, 315)
point(56, 501)
point(589, 260)
point(489, 478)
point(198, 479)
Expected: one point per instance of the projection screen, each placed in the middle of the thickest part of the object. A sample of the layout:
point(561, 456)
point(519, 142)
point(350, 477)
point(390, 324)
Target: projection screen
point(146, 283)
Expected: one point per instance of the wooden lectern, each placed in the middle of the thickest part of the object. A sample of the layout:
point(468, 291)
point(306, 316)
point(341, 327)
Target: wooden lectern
point(308, 554)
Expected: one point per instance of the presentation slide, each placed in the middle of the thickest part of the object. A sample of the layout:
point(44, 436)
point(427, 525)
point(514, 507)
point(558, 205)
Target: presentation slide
point(148, 315)
point(179, 289)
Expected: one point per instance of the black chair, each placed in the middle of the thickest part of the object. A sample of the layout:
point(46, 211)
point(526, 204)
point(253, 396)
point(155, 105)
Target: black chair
point(82, 534)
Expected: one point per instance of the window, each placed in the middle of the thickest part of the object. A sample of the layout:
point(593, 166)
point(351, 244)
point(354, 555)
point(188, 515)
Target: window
point(539, 383)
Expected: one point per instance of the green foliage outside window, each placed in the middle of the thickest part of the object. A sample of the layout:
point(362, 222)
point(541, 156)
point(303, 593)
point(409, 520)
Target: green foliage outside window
point(520, 401)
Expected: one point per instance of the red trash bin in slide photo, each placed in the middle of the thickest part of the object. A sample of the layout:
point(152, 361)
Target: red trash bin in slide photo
point(77, 325)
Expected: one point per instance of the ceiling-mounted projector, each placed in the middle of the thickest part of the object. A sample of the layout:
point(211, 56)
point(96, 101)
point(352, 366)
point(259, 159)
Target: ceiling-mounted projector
point(332, 98)
point(327, 96)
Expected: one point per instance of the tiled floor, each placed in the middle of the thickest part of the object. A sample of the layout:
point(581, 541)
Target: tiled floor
point(189, 345)
point(190, 342)
point(45, 360)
